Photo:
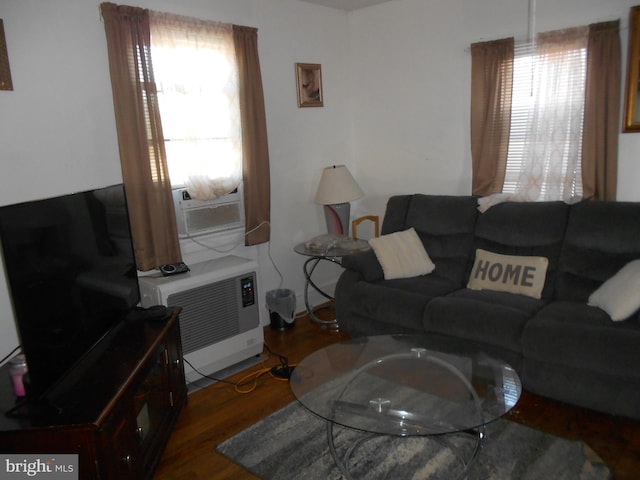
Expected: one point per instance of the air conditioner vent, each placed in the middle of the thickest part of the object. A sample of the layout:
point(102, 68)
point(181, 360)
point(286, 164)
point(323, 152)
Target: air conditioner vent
point(211, 218)
point(209, 313)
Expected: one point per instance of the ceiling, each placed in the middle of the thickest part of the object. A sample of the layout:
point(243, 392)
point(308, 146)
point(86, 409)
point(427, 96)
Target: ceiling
point(347, 5)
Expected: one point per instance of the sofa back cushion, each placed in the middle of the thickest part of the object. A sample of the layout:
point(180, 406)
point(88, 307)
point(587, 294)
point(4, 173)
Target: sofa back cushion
point(525, 229)
point(444, 223)
point(602, 237)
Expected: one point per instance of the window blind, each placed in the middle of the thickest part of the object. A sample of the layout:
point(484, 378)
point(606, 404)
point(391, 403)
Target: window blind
point(536, 83)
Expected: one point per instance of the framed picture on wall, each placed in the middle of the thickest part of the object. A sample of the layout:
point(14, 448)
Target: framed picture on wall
point(309, 83)
point(632, 104)
point(5, 73)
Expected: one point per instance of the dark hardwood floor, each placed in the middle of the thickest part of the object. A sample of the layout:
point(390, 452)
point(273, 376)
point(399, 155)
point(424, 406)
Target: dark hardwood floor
point(217, 412)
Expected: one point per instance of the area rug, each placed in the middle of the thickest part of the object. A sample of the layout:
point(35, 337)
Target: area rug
point(291, 444)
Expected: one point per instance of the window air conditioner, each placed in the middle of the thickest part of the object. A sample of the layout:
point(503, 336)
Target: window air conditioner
point(199, 217)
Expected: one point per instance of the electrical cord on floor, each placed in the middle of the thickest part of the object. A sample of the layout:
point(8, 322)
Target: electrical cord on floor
point(204, 375)
point(281, 372)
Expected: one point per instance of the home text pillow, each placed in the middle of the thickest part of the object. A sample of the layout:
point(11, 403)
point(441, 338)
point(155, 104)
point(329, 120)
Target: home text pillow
point(620, 295)
point(508, 273)
point(402, 255)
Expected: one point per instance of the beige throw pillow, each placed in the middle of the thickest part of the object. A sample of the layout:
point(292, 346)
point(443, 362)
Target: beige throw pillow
point(508, 273)
point(402, 255)
point(620, 295)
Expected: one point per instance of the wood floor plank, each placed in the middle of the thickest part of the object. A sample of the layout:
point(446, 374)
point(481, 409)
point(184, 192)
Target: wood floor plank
point(218, 412)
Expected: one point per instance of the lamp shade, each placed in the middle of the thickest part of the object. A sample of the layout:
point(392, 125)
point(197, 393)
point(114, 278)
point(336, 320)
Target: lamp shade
point(337, 186)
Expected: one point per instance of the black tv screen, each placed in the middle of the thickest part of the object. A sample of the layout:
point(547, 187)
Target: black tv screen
point(72, 277)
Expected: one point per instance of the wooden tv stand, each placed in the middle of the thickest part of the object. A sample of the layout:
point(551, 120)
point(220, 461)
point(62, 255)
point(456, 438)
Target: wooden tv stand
point(118, 415)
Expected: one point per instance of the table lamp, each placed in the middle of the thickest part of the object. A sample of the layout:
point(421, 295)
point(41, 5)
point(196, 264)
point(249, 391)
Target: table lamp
point(336, 189)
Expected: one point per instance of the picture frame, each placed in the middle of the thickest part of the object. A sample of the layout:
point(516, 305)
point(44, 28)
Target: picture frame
point(5, 72)
point(632, 98)
point(309, 85)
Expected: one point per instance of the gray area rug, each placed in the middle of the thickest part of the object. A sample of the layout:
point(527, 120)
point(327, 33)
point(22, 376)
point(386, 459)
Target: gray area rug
point(292, 444)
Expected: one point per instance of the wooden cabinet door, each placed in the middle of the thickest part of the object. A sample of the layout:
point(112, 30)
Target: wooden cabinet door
point(177, 383)
point(121, 456)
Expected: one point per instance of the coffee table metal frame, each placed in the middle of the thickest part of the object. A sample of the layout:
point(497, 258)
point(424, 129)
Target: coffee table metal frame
point(381, 408)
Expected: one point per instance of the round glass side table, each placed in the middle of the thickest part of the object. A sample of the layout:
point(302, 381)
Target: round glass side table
point(330, 250)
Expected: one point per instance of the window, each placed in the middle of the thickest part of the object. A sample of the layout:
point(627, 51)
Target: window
point(197, 85)
point(547, 113)
point(522, 102)
point(141, 142)
point(581, 131)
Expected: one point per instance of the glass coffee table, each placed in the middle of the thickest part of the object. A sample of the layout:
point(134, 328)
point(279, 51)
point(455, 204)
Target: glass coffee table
point(405, 385)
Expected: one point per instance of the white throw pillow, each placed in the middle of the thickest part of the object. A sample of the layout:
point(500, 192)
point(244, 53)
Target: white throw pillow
point(524, 275)
point(620, 295)
point(402, 255)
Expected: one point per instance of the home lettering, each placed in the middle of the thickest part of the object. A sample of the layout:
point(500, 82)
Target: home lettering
point(505, 273)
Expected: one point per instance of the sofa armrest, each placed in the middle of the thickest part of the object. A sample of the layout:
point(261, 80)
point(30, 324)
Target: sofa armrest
point(366, 264)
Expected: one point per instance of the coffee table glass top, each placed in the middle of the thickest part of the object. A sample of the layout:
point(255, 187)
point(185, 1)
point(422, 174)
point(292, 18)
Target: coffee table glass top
point(404, 385)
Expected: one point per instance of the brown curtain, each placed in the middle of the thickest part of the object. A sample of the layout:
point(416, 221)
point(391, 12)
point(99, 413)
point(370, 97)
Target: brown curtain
point(491, 89)
point(602, 112)
point(255, 163)
point(140, 139)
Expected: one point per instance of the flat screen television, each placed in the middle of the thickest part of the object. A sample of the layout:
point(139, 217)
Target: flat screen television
point(72, 278)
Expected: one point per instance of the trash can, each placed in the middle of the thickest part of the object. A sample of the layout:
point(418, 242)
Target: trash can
point(282, 308)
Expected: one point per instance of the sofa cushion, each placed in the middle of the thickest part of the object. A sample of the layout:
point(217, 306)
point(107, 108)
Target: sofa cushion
point(508, 273)
point(577, 335)
point(601, 238)
point(525, 228)
point(620, 295)
point(395, 215)
point(399, 302)
point(494, 318)
point(402, 254)
point(366, 264)
point(444, 223)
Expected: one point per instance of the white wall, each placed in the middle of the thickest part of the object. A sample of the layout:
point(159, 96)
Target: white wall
point(396, 96)
point(57, 130)
point(410, 69)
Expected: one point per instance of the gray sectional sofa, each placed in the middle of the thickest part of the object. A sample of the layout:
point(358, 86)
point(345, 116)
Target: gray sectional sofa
point(561, 346)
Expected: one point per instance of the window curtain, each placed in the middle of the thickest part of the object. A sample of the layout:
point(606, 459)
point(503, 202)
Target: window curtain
point(140, 139)
point(602, 112)
point(255, 163)
point(195, 59)
point(551, 169)
point(491, 87)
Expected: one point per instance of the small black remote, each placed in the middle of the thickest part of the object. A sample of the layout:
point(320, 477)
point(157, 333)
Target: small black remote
point(173, 268)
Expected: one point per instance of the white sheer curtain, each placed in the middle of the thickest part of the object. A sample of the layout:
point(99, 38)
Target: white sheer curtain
point(550, 163)
point(551, 170)
point(197, 81)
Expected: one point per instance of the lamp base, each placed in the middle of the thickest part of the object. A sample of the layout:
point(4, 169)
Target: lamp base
point(337, 218)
